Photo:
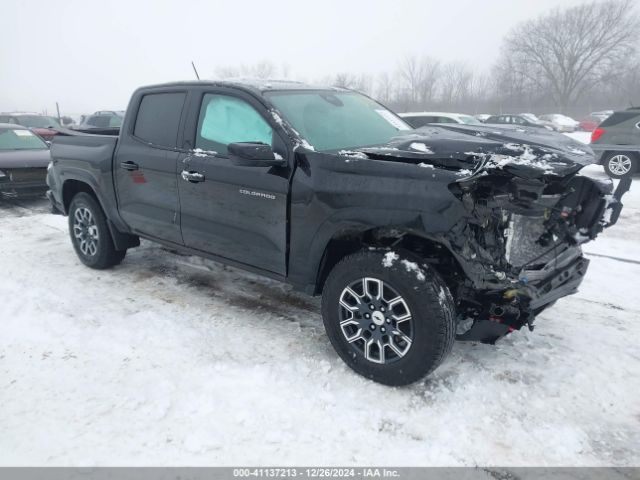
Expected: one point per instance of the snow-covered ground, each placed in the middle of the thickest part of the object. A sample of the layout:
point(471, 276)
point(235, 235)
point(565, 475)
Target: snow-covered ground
point(173, 360)
point(584, 137)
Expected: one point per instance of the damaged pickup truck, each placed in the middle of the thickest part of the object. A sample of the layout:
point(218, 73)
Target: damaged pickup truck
point(413, 237)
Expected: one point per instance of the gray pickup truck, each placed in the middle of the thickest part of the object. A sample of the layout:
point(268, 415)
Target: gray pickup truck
point(413, 237)
point(616, 143)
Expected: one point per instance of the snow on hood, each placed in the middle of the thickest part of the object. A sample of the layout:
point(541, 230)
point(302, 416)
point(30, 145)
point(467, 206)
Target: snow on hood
point(465, 147)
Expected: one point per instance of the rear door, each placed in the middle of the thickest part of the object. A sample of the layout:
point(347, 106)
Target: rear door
point(236, 212)
point(145, 166)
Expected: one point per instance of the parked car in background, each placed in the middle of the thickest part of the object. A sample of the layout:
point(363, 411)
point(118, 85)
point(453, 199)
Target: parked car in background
point(102, 119)
point(561, 123)
point(589, 124)
point(420, 119)
point(523, 120)
point(482, 116)
point(616, 143)
point(46, 127)
point(24, 158)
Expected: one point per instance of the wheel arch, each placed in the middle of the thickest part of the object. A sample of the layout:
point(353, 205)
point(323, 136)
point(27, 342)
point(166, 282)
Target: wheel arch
point(71, 187)
point(421, 247)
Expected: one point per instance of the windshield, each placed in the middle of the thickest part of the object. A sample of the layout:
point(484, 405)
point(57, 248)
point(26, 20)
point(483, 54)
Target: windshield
point(37, 121)
point(18, 139)
point(469, 120)
point(331, 120)
point(531, 117)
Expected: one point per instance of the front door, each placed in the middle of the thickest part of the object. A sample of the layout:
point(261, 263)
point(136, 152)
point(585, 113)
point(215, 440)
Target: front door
point(236, 212)
point(145, 168)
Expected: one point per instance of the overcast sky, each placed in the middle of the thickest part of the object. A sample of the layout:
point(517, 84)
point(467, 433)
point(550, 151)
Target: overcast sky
point(91, 55)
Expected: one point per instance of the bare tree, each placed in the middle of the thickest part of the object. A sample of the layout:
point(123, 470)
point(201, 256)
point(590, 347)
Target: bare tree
point(418, 79)
point(411, 75)
point(227, 72)
point(428, 82)
point(263, 69)
point(567, 52)
point(456, 83)
point(364, 83)
point(344, 80)
point(621, 88)
point(385, 87)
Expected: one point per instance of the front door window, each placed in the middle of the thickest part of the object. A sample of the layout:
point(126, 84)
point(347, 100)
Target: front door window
point(225, 119)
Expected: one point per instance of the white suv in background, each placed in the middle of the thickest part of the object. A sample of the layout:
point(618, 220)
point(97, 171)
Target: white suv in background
point(561, 123)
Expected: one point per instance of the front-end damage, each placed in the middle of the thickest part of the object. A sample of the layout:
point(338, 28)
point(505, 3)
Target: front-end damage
point(528, 210)
point(519, 244)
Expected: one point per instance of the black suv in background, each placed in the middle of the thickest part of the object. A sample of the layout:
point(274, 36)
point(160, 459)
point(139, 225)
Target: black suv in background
point(616, 143)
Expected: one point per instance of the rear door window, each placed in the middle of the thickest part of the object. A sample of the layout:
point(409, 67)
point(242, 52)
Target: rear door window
point(159, 117)
point(225, 119)
point(619, 117)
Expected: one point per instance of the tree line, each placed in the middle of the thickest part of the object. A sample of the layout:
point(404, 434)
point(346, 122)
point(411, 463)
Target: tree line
point(570, 60)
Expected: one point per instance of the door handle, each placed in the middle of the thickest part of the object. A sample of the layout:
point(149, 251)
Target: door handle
point(193, 177)
point(129, 166)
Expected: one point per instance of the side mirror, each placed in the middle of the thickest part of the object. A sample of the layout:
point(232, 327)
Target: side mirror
point(248, 154)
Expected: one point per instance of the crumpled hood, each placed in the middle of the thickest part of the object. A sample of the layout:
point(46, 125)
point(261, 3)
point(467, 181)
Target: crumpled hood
point(24, 158)
point(529, 152)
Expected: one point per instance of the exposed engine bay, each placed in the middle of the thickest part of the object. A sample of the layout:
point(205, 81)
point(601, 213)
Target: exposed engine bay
point(528, 210)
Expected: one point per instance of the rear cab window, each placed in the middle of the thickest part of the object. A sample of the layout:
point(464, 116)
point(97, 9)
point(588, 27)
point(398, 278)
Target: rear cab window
point(158, 118)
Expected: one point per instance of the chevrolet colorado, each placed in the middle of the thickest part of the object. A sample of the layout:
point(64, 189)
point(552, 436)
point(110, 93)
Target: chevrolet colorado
point(413, 237)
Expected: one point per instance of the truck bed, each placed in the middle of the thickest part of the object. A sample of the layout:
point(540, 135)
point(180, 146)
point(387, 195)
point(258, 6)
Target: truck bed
point(84, 148)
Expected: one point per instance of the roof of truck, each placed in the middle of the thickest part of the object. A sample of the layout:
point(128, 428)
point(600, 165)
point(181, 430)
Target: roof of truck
point(256, 84)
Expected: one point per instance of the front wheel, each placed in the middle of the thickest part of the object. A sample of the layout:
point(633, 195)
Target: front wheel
point(389, 318)
point(620, 164)
point(90, 234)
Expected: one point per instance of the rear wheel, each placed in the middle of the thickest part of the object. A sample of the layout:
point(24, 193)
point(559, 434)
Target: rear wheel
point(620, 164)
point(90, 234)
point(388, 317)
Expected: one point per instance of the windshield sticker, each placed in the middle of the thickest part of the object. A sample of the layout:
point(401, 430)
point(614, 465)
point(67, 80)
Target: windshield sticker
point(23, 133)
point(392, 119)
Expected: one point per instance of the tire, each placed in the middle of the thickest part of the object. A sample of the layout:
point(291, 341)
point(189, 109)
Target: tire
point(430, 326)
point(90, 234)
point(620, 164)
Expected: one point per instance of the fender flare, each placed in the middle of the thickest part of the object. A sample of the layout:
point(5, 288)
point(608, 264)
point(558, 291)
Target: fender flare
point(121, 240)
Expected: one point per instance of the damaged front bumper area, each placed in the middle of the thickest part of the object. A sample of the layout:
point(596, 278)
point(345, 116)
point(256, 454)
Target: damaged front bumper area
point(519, 244)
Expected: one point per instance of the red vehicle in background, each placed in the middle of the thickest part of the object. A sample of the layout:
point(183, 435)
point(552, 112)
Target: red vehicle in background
point(42, 125)
point(589, 124)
